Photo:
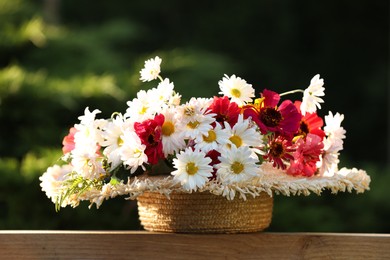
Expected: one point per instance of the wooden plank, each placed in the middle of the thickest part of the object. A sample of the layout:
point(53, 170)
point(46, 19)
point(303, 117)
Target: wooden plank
point(148, 245)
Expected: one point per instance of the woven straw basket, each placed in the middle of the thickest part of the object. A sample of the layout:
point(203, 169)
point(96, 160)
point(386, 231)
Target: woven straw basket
point(203, 212)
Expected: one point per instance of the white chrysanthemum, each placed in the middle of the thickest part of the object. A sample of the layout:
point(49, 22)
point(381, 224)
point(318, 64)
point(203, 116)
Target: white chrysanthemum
point(311, 96)
point(151, 70)
point(52, 179)
point(189, 111)
point(333, 143)
point(175, 99)
point(193, 169)
point(140, 108)
point(87, 139)
point(162, 94)
point(328, 164)
point(236, 89)
point(334, 131)
point(243, 133)
point(113, 141)
point(88, 131)
point(172, 132)
point(133, 151)
point(237, 165)
point(88, 163)
point(84, 157)
point(215, 138)
point(193, 115)
point(89, 117)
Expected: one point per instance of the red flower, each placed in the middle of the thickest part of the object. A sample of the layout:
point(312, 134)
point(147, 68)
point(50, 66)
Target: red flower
point(225, 110)
point(149, 131)
point(280, 151)
point(310, 123)
point(68, 141)
point(270, 118)
point(306, 156)
point(213, 155)
point(271, 98)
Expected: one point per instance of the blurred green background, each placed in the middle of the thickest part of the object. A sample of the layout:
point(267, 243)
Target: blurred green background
point(57, 57)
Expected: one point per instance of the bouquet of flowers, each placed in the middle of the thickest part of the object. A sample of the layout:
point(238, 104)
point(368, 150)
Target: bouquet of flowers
point(237, 144)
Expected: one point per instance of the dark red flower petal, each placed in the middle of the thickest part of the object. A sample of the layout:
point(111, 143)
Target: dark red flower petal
point(149, 131)
point(225, 110)
point(291, 118)
point(271, 98)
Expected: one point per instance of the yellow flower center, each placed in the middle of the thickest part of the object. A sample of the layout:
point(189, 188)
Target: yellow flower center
point(137, 153)
point(237, 167)
point(211, 137)
point(143, 110)
point(119, 141)
point(191, 168)
point(235, 92)
point(235, 139)
point(189, 111)
point(168, 128)
point(193, 125)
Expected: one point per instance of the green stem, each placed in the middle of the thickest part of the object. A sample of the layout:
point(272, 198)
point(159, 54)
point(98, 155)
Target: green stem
point(291, 92)
point(160, 78)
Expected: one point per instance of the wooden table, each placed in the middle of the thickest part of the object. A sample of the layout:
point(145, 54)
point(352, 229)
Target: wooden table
point(148, 245)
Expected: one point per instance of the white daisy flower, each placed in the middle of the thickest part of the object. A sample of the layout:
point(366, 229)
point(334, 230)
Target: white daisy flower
point(237, 165)
point(215, 138)
point(133, 151)
point(113, 140)
point(243, 133)
point(311, 95)
point(151, 71)
point(193, 169)
point(199, 127)
point(172, 132)
point(236, 89)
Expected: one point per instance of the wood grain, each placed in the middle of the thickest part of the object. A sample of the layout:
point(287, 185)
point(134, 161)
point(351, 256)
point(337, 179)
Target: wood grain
point(148, 245)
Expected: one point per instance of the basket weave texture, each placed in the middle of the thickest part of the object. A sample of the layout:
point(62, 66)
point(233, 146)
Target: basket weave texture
point(203, 212)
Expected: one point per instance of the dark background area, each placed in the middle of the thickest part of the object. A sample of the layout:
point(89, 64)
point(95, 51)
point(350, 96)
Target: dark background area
point(57, 57)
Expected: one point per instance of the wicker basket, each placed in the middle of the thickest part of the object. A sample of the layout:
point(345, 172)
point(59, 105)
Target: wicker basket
point(203, 212)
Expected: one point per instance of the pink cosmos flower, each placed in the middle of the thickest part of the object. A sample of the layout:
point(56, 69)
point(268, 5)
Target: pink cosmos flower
point(306, 156)
point(68, 141)
point(225, 110)
point(284, 119)
point(149, 131)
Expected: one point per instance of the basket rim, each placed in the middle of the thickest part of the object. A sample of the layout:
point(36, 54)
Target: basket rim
point(270, 180)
